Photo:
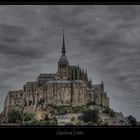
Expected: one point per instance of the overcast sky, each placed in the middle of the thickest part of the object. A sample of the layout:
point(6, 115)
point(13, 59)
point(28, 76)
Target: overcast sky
point(103, 39)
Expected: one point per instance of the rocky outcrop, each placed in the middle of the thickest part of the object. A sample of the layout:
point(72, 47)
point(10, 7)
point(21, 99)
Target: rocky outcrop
point(69, 115)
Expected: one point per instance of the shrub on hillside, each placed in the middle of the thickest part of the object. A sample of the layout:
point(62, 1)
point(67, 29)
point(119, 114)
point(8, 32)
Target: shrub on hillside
point(52, 121)
point(109, 111)
point(78, 122)
point(60, 111)
point(90, 116)
point(132, 120)
point(78, 109)
point(14, 116)
point(28, 117)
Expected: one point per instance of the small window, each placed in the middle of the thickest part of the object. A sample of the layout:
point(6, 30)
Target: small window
point(25, 103)
point(30, 102)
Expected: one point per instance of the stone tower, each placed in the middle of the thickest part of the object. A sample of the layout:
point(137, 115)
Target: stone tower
point(63, 64)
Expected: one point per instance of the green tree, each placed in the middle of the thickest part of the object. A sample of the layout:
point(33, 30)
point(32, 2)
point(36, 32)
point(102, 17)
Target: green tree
point(109, 111)
point(78, 109)
point(14, 115)
point(78, 122)
point(132, 120)
point(90, 116)
point(60, 111)
point(53, 121)
point(28, 117)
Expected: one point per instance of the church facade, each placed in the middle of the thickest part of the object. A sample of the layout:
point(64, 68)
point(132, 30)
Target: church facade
point(69, 86)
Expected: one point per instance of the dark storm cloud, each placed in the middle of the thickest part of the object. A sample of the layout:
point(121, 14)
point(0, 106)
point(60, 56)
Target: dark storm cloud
point(103, 39)
point(11, 42)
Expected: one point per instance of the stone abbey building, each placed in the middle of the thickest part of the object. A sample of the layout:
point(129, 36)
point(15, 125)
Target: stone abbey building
point(69, 86)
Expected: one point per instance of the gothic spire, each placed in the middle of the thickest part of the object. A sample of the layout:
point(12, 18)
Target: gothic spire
point(63, 45)
point(63, 58)
point(102, 85)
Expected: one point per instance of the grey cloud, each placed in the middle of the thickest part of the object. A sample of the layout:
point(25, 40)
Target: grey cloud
point(124, 12)
point(11, 31)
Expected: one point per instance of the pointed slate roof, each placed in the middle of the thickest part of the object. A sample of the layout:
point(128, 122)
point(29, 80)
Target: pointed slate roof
point(63, 58)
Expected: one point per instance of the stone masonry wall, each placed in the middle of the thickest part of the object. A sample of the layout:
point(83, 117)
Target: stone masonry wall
point(60, 94)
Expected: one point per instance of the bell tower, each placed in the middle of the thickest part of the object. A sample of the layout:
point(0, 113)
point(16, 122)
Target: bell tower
point(63, 64)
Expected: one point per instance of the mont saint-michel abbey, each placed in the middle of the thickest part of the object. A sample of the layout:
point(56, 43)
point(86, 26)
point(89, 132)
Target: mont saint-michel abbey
point(69, 86)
